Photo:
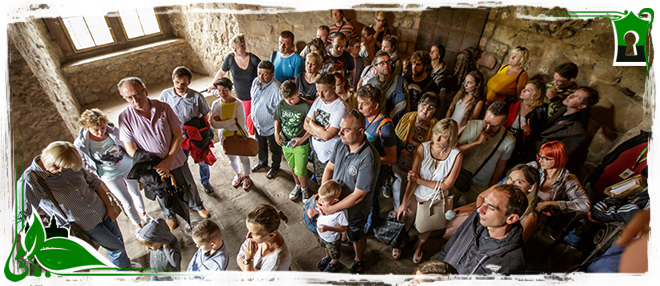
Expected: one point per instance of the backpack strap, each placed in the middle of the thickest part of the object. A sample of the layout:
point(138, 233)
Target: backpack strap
point(382, 122)
point(272, 56)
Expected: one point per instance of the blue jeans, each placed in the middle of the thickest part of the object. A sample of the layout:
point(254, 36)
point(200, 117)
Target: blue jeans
point(108, 235)
point(204, 172)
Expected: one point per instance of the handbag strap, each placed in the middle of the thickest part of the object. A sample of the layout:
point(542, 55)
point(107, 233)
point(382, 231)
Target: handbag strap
point(42, 183)
point(240, 129)
point(437, 191)
point(492, 152)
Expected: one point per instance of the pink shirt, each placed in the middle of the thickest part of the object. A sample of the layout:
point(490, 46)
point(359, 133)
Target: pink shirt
point(154, 134)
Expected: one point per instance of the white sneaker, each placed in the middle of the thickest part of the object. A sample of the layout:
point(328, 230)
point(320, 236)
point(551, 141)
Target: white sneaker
point(147, 218)
point(295, 193)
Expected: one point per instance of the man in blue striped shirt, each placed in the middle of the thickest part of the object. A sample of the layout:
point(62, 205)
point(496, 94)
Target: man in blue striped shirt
point(266, 95)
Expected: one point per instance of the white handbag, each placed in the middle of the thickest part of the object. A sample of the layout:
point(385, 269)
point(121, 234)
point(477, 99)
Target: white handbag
point(431, 215)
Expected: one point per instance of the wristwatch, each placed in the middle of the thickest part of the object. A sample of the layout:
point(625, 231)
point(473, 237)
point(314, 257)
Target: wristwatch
point(246, 261)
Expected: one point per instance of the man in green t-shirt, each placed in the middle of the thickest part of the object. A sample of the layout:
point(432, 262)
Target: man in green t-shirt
point(562, 85)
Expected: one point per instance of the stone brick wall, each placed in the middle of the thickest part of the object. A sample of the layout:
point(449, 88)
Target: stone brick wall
point(96, 79)
point(43, 59)
point(34, 120)
point(193, 23)
point(207, 30)
point(625, 106)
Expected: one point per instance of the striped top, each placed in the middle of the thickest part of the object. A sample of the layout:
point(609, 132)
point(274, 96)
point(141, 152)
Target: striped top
point(565, 190)
point(74, 191)
point(345, 27)
point(201, 261)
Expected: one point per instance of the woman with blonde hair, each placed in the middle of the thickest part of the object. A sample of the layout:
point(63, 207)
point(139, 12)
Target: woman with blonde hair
point(526, 116)
point(243, 67)
point(104, 155)
point(264, 248)
point(468, 101)
point(57, 183)
point(306, 81)
point(436, 164)
point(510, 79)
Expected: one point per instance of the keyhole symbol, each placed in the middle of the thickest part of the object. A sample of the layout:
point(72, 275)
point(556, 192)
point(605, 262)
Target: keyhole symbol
point(631, 39)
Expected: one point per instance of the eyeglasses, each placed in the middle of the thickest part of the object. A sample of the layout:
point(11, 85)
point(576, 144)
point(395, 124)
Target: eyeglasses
point(544, 158)
point(380, 20)
point(424, 104)
point(559, 81)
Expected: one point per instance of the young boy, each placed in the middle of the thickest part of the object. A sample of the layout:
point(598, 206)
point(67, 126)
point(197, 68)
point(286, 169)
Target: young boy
point(164, 246)
point(330, 227)
point(289, 118)
point(212, 253)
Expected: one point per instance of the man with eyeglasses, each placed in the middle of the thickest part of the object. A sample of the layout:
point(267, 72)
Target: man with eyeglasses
point(486, 147)
point(569, 125)
point(562, 85)
point(152, 126)
point(393, 86)
point(355, 165)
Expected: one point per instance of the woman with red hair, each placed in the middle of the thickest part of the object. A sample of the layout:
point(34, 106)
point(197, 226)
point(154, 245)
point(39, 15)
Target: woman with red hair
point(558, 188)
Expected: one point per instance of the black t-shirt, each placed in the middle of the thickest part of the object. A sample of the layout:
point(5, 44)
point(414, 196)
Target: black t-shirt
point(242, 77)
point(345, 60)
point(417, 89)
point(307, 90)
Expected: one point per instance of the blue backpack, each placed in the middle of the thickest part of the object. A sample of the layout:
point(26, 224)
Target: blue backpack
point(310, 204)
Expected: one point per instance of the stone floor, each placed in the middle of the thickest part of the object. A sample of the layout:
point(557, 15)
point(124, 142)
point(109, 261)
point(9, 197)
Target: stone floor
point(229, 207)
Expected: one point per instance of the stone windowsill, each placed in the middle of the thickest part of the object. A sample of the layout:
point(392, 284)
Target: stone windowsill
point(127, 52)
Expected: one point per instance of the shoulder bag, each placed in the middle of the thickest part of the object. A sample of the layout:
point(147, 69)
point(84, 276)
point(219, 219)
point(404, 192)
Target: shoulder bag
point(464, 180)
point(240, 144)
point(431, 215)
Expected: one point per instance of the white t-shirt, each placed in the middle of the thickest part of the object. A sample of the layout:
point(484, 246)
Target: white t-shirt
point(474, 159)
point(278, 261)
point(324, 115)
point(335, 219)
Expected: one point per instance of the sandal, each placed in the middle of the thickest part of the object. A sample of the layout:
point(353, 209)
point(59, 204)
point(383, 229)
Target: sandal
point(396, 253)
point(417, 259)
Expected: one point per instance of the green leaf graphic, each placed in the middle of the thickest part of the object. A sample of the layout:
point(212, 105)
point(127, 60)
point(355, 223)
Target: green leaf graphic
point(59, 253)
point(35, 236)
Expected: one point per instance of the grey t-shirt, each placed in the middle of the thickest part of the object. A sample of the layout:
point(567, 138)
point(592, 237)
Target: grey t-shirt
point(356, 170)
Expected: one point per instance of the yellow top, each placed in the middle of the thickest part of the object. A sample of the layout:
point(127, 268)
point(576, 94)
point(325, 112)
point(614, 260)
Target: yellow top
point(502, 84)
point(227, 112)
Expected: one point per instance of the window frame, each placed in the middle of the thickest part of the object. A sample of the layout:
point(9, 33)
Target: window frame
point(60, 35)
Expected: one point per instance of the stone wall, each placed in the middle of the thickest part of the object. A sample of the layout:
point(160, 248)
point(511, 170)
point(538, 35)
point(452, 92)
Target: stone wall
point(34, 120)
point(207, 30)
point(262, 27)
point(625, 106)
point(43, 59)
point(96, 79)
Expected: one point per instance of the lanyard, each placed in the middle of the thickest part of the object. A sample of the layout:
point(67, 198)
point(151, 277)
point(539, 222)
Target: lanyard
point(639, 158)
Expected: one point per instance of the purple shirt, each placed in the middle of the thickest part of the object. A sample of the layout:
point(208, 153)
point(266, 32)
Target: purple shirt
point(154, 134)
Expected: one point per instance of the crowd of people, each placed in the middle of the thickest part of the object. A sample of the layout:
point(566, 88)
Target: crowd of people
point(370, 122)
